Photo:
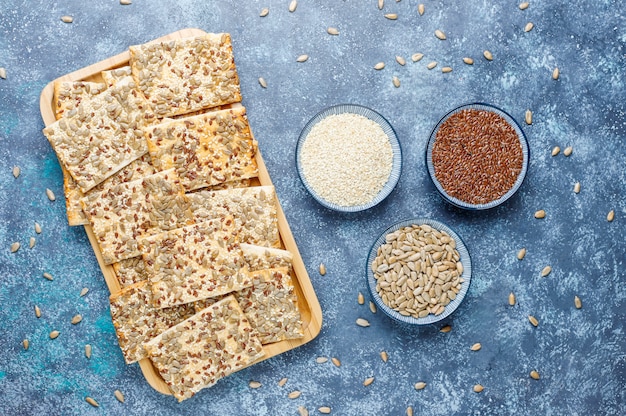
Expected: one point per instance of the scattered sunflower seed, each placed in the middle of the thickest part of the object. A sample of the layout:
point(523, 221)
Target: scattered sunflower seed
point(396, 81)
point(568, 151)
point(262, 82)
point(16, 171)
point(254, 384)
point(476, 347)
point(332, 31)
point(3, 73)
point(381, 4)
point(83, 291)
point(15, 246)
point(368, 381)
point(529, 26)
point(420, 385)
point(528, 117)
point(37, 228)
point(67, 19)
point(119, 396)
point(446, 69)
point(384, 356)
point(264, 12)
point(391, 16)
point(282, 381)
point(416, 57)
point(521, 254)
point(373, 307)
point(336, 361)
point(125, 2)
point(478, 388)
point(445, 329)
point(76, 319)
point(360, 299)
point(294, 394)
point(379, 66)
point(48, 276)
point(362, 322)
point(468, 61)
point(322, 269)
point(302, 58)
point(577, 187)
point(321, 360)
point(409, 411)
point(25, 343)
point(488, 55)
point(610, 216)
point(555, 151)
point(303, 411)
point(50, 194)
point(533, 320)
point(400, 60)
point(546, 271)
point(540, 214)
point(535, 375)
point(577, 302)
point(88, 351)
point(54, 334)
point(512, 299)
point(431, 65)
point(293, 5)
point(324, 409)
point(421, 9)
point(31, 242)
point(555, 74)
point(37, 311)
point(440, 35)
point(523, 6)
point(91, 401)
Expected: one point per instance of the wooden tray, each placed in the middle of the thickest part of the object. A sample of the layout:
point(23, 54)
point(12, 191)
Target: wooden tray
point(307, 300)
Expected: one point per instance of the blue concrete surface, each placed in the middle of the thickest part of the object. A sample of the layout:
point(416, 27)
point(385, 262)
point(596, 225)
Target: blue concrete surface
point(580, 354)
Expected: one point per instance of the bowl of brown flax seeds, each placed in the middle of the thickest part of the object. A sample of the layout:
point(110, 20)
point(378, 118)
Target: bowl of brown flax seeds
point(418, 271)
point(348, 158)
point(477, 156)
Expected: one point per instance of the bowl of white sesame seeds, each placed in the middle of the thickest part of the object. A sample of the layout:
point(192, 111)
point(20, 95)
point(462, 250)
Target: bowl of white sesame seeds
point(349, 158)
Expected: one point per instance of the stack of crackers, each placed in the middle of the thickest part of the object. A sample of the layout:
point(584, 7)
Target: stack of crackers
point(160, 162)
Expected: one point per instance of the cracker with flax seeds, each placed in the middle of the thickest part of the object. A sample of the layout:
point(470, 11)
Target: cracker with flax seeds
point(201, 350)
point(186, 75)
point(122, 213)
point(252, 209)
point(270, 304)
point(206, 149)
point(137, 321)
point(194, 262)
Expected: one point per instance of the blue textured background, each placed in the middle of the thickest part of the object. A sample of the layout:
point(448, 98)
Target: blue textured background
point(581, 354)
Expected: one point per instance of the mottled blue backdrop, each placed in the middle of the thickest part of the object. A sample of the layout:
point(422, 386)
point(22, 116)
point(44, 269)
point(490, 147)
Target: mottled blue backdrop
point(580, 354)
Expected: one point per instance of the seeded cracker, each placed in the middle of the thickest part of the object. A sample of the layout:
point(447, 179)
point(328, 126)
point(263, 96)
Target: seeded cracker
point(122, 213)
point(111, 76)
point(207, 149)
point(135, 170)
point(130, 271)
point(136, 321)
point(199, 351)
point(253, 211)
point(194, 262)
point(270, 304)
point(69, 94)
point(181, 76)
point(98, 140)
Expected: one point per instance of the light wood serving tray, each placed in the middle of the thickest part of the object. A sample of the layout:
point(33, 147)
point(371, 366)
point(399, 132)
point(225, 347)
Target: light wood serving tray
point(307, 300)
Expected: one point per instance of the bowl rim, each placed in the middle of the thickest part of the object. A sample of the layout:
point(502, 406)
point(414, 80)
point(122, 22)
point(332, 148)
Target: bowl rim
point(525, 154)
point(396, 149)
point(465, 259)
